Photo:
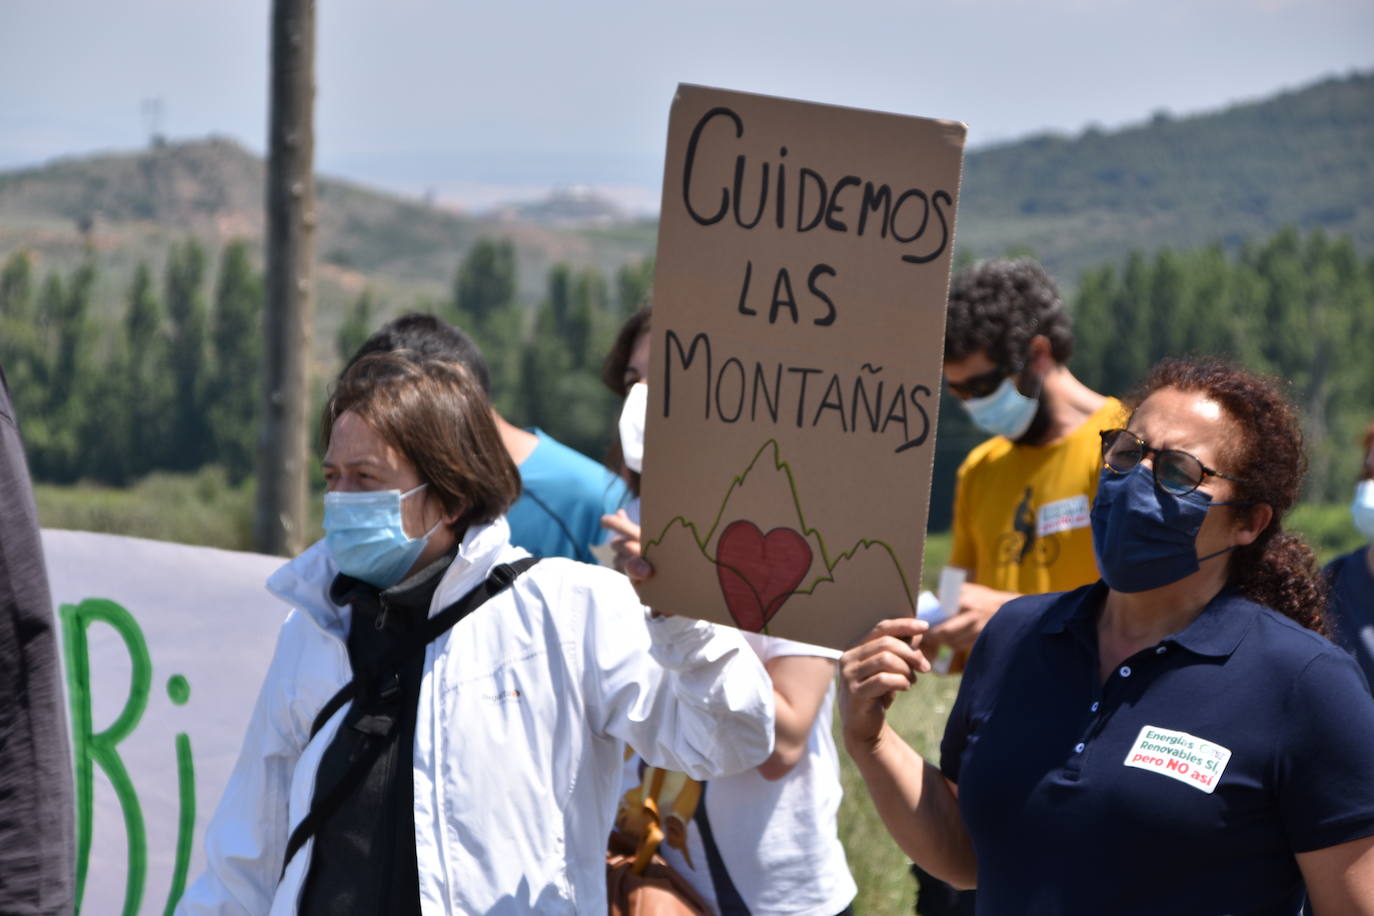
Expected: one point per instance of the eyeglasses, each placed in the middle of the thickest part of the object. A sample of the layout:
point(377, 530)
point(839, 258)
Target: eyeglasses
point(1175, 471)
point(980, 386)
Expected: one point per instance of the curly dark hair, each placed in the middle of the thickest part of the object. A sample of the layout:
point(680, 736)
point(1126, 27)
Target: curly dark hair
point(998, 306)
point(1277, 569)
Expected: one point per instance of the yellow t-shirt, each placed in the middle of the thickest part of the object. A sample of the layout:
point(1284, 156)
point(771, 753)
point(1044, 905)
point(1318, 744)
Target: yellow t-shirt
point(1021, 511)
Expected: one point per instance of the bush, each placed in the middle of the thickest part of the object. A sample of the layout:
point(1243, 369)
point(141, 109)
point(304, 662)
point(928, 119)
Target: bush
point(199, 508)
point(1328, 528)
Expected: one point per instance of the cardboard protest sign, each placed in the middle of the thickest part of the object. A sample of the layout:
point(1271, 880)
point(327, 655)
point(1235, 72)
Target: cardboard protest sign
point(165, 647)
point(797, 337)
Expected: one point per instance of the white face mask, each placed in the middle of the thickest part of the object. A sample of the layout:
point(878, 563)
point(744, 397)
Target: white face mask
point(632, 419)
point(1362, 508)
point(1005, 412)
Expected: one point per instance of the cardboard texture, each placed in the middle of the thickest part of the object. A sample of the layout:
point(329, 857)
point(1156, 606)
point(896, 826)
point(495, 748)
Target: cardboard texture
point(799, 304)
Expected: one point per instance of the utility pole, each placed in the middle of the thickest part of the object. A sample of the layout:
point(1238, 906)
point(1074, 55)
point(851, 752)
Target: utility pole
point(282, 440)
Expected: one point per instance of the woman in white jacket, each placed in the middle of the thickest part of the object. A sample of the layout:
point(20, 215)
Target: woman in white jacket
point(496, 744)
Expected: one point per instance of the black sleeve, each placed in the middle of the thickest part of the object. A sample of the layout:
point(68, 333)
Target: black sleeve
point(37, 852)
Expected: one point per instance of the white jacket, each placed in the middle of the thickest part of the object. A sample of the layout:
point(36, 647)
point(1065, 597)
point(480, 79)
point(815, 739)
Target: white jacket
point(524, 710)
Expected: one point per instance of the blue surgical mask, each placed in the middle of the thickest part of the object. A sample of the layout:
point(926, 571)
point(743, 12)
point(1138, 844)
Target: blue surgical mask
point(365, 535)
point(1005, 412)
point(1362, 508)
point(1146, 538)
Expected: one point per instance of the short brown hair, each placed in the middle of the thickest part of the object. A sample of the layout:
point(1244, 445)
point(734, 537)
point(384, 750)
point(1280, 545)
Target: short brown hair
point(436, 415)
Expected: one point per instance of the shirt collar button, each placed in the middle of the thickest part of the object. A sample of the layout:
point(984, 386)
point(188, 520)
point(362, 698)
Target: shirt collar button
point(1125, 671)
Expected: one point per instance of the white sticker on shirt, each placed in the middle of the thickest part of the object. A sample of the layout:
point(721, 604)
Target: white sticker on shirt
point(1063, 515)
point(1179, 755)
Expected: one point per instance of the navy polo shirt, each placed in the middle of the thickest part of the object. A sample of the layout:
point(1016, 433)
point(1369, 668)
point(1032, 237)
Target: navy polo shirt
point(1185, 784)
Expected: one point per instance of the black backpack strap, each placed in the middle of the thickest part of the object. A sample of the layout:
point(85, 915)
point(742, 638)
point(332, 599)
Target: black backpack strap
point(327, 712)
point(378, 728)
point(501, 577)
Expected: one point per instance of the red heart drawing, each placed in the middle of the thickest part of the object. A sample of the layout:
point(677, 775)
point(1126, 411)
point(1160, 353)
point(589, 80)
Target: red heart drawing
point(758, 572)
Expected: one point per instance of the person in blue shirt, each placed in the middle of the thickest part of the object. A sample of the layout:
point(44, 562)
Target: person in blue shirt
point(1177, 737)
point(1351, 576)
point(563, 493)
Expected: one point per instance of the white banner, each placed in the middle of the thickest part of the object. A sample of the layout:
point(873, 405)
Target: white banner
point(164, 649)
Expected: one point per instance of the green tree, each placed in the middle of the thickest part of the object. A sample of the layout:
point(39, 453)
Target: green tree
point(33, 401)
point(16, 287)
point(74, 333)
point(20, 348)
point(356, 327)
point(142, 373)
point(485, 283)
point(1297, 307)
point(234, 387)
point(188, 444)
point(23, 349)
point(56, 400)
point(1131, 326)
point(1093, 322)
point(561, 366)
point(483, 305)
point(633, 284)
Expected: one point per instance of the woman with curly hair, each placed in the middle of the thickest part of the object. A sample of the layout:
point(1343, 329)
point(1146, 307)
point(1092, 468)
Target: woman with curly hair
point(1178, 735)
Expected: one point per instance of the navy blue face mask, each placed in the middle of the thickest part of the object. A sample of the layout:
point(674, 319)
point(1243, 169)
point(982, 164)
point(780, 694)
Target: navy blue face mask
point(1146, 538)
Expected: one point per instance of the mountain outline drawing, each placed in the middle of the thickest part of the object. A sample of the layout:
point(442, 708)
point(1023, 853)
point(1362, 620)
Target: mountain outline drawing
point(751, 601)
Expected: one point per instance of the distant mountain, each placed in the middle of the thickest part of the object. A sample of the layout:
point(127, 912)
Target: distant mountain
point(1303, 158)
point(132, 206)
point(568, 207)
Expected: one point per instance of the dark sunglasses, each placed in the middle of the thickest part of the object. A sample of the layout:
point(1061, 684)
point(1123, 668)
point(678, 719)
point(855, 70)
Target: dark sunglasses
point(1175, 471)
point(980, 386)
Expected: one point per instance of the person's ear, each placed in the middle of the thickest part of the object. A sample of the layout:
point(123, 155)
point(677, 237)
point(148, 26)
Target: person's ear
point(1252, 522)
point(1041, 355)
point(449, 515)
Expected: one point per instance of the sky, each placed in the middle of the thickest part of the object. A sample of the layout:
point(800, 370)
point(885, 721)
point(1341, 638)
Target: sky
point(483, 102)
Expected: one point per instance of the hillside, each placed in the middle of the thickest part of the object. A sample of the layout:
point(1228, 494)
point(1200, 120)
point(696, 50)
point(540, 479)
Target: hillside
point(134, 205)
point(1300, 158)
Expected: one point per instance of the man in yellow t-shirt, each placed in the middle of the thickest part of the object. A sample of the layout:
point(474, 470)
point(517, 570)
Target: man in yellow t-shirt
point(1021, 499)
point(1021, 511)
